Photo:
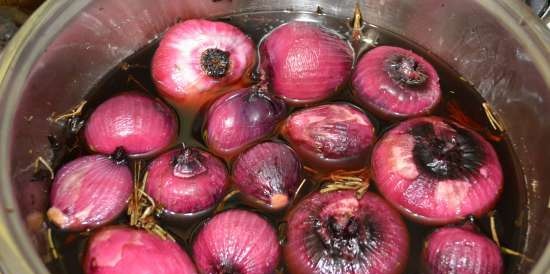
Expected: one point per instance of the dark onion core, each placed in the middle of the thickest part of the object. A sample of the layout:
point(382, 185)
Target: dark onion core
point(188, 163)
point(405, 70)
point(446, 156)
point(120, 157)
point(215, 62)
point(336, 232)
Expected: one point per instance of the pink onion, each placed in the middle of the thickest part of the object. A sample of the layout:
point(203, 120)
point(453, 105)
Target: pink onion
point(241, 118)
point(186, 181)
point(461, 250)
point(332, 136)
point(237, 241)
point(90, 191)
point(197, 59)
point(268, 174)
point(436, 171)
point(305, 62)
point(396, 83)
point(335, 232)
point(116, 250)
point(136, 122)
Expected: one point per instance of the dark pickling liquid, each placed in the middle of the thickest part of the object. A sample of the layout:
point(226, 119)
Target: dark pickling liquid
point(460, 102)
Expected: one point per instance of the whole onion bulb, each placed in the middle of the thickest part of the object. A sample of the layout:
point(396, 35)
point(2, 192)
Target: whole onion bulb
point(90, 191)
point(237, 241)
point(305, 62)
point(396, 83)
point(461, 250)
point(187, 180)
point(241, 118)
point(268, 174)
point(335, 232)
point(197, 59)
point(436, 171)
point(115, 250)
point(136, 122)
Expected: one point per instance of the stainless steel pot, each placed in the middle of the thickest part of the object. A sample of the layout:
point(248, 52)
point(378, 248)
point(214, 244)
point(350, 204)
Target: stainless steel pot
point(67, 46)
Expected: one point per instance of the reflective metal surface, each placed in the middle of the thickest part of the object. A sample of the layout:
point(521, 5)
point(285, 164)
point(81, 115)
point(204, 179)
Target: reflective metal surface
point(67, 46)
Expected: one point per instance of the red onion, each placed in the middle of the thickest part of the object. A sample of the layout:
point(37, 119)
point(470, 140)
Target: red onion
point(332, 136)
point(396, 83)
point(436, 171)
point(268, 174)
point(461, 250)
point(116, 250)
point(90, 191)
point(237, 241)
point(305, 62)
point(197, 59)
point(187, 180)
point(138, 123)
point(335, 232)
point(241, 118)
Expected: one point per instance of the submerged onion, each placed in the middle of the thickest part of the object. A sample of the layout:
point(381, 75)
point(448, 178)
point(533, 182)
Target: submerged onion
point(115, 250)
point(241, 118)
point(136, 122)
point(268, 174)
point(237, 241)
point(461, 250)
point(90, 191)
point(197, 59)
point(335, 232)
point(436, 171)
point(332, 136)
point(187, 180)
point(305, 62)
point(396, 83)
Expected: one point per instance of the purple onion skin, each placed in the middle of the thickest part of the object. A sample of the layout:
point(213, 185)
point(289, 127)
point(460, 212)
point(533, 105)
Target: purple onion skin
point(330, 137)
point(115, 250)
point(241, 118)
point(140, 124)
point(436, 171)
point(335, 232)
point(460, 250)
point(385, 91)
point(237, 241)
point(89, 192)
point(186, 181)
point(305, 62)
point(268, 174)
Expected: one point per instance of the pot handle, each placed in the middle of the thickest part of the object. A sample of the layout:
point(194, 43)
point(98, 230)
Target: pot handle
point(542, 9)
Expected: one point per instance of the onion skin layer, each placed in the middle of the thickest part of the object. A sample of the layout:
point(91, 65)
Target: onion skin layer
point(237, 241)
point(380, 246)
point(89, 192)
point(305, 62)
point(115, 250)
point(141, 125)
point(461, 251)
point(176, 65)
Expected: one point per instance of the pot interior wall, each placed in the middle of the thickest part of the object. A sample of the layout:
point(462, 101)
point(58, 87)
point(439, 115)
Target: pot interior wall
point(464, 34)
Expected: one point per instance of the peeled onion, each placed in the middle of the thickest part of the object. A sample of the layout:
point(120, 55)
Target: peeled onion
point(305, 62)
point(136, 122)
point(331, 136)
point(197, 59)
point(335, 232)
point(89, 192)
point(237, 241)
point(268, 174)
point(241, 118)
point(461, 250)
point(187, 180)
point(396, 83)
point(115, 250)
point(436, 171)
